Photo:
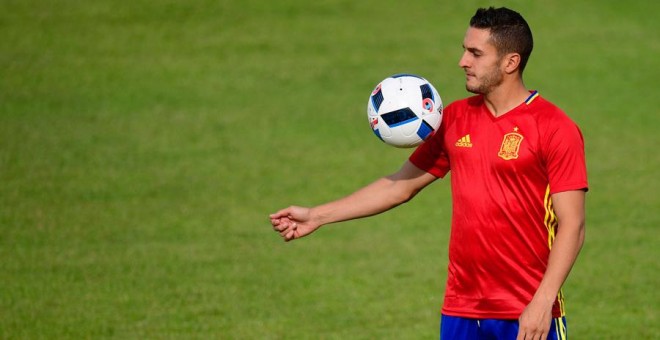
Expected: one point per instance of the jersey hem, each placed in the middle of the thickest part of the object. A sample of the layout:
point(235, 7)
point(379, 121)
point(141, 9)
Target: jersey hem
point(570, 187)
point(430, 169)
point(489, 315)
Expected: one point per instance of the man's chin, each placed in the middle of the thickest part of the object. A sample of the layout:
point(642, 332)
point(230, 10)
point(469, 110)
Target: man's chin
point(474, 90)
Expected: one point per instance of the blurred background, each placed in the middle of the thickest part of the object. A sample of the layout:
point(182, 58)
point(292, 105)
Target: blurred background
point(144, 143)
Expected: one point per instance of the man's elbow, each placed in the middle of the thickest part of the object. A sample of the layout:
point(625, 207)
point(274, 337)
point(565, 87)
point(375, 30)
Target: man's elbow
point(582, 233)
point(577, 229)
point(404, 195)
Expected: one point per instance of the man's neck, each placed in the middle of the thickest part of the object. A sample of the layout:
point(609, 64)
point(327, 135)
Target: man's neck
point(505, 98)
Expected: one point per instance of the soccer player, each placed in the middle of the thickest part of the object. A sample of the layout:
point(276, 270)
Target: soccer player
point(518, 180)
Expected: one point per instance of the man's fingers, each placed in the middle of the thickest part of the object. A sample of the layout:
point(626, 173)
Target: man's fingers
point(284, 227)
point(282, 224)
point(290, 235)
point(281, 214)
point(532, 335)
point(279, 224)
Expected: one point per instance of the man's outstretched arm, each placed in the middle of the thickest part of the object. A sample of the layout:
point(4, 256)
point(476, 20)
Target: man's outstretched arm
point(382, 195)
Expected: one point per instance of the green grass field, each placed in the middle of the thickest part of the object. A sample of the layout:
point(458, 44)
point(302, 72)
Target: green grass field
point(144, 143)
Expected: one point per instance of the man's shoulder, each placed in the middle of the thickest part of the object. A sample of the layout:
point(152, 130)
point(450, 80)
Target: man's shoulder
point(548, 112)
point(541, 103)
point(551, 120)
point(476, 100)
point(459, 107)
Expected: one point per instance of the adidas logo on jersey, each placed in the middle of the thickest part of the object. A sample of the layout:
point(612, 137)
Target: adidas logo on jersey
point(464, 142)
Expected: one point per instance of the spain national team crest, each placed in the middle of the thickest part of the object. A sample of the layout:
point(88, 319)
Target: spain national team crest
point(510, 145)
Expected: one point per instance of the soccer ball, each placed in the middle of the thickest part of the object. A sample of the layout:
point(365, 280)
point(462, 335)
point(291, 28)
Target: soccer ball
point(404, 110)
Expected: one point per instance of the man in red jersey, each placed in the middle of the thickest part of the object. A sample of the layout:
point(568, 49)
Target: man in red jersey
point(518, 189)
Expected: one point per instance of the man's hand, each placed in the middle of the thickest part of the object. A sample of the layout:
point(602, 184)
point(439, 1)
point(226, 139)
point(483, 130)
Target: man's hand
point(293, 222)
point(535, 320)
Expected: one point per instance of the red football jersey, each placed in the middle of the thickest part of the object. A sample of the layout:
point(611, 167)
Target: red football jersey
point(503, 171)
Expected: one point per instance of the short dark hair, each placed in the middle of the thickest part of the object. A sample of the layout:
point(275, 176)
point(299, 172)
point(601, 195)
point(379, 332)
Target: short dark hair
point(508, 30)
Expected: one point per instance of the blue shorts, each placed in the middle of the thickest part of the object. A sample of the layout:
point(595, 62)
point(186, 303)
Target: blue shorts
point(453, 327)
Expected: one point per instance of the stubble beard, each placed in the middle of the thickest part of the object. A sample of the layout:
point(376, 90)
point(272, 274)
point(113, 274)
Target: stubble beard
point(487, 82)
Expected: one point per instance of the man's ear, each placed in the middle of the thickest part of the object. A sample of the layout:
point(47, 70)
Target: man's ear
point(511, 62)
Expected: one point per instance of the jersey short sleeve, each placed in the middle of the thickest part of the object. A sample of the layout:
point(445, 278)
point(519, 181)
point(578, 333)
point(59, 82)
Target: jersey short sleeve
point(563, 151)
point(431, 156)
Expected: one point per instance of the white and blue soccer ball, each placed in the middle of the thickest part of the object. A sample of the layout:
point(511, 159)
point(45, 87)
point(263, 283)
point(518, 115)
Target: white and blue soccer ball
point(404, 110)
